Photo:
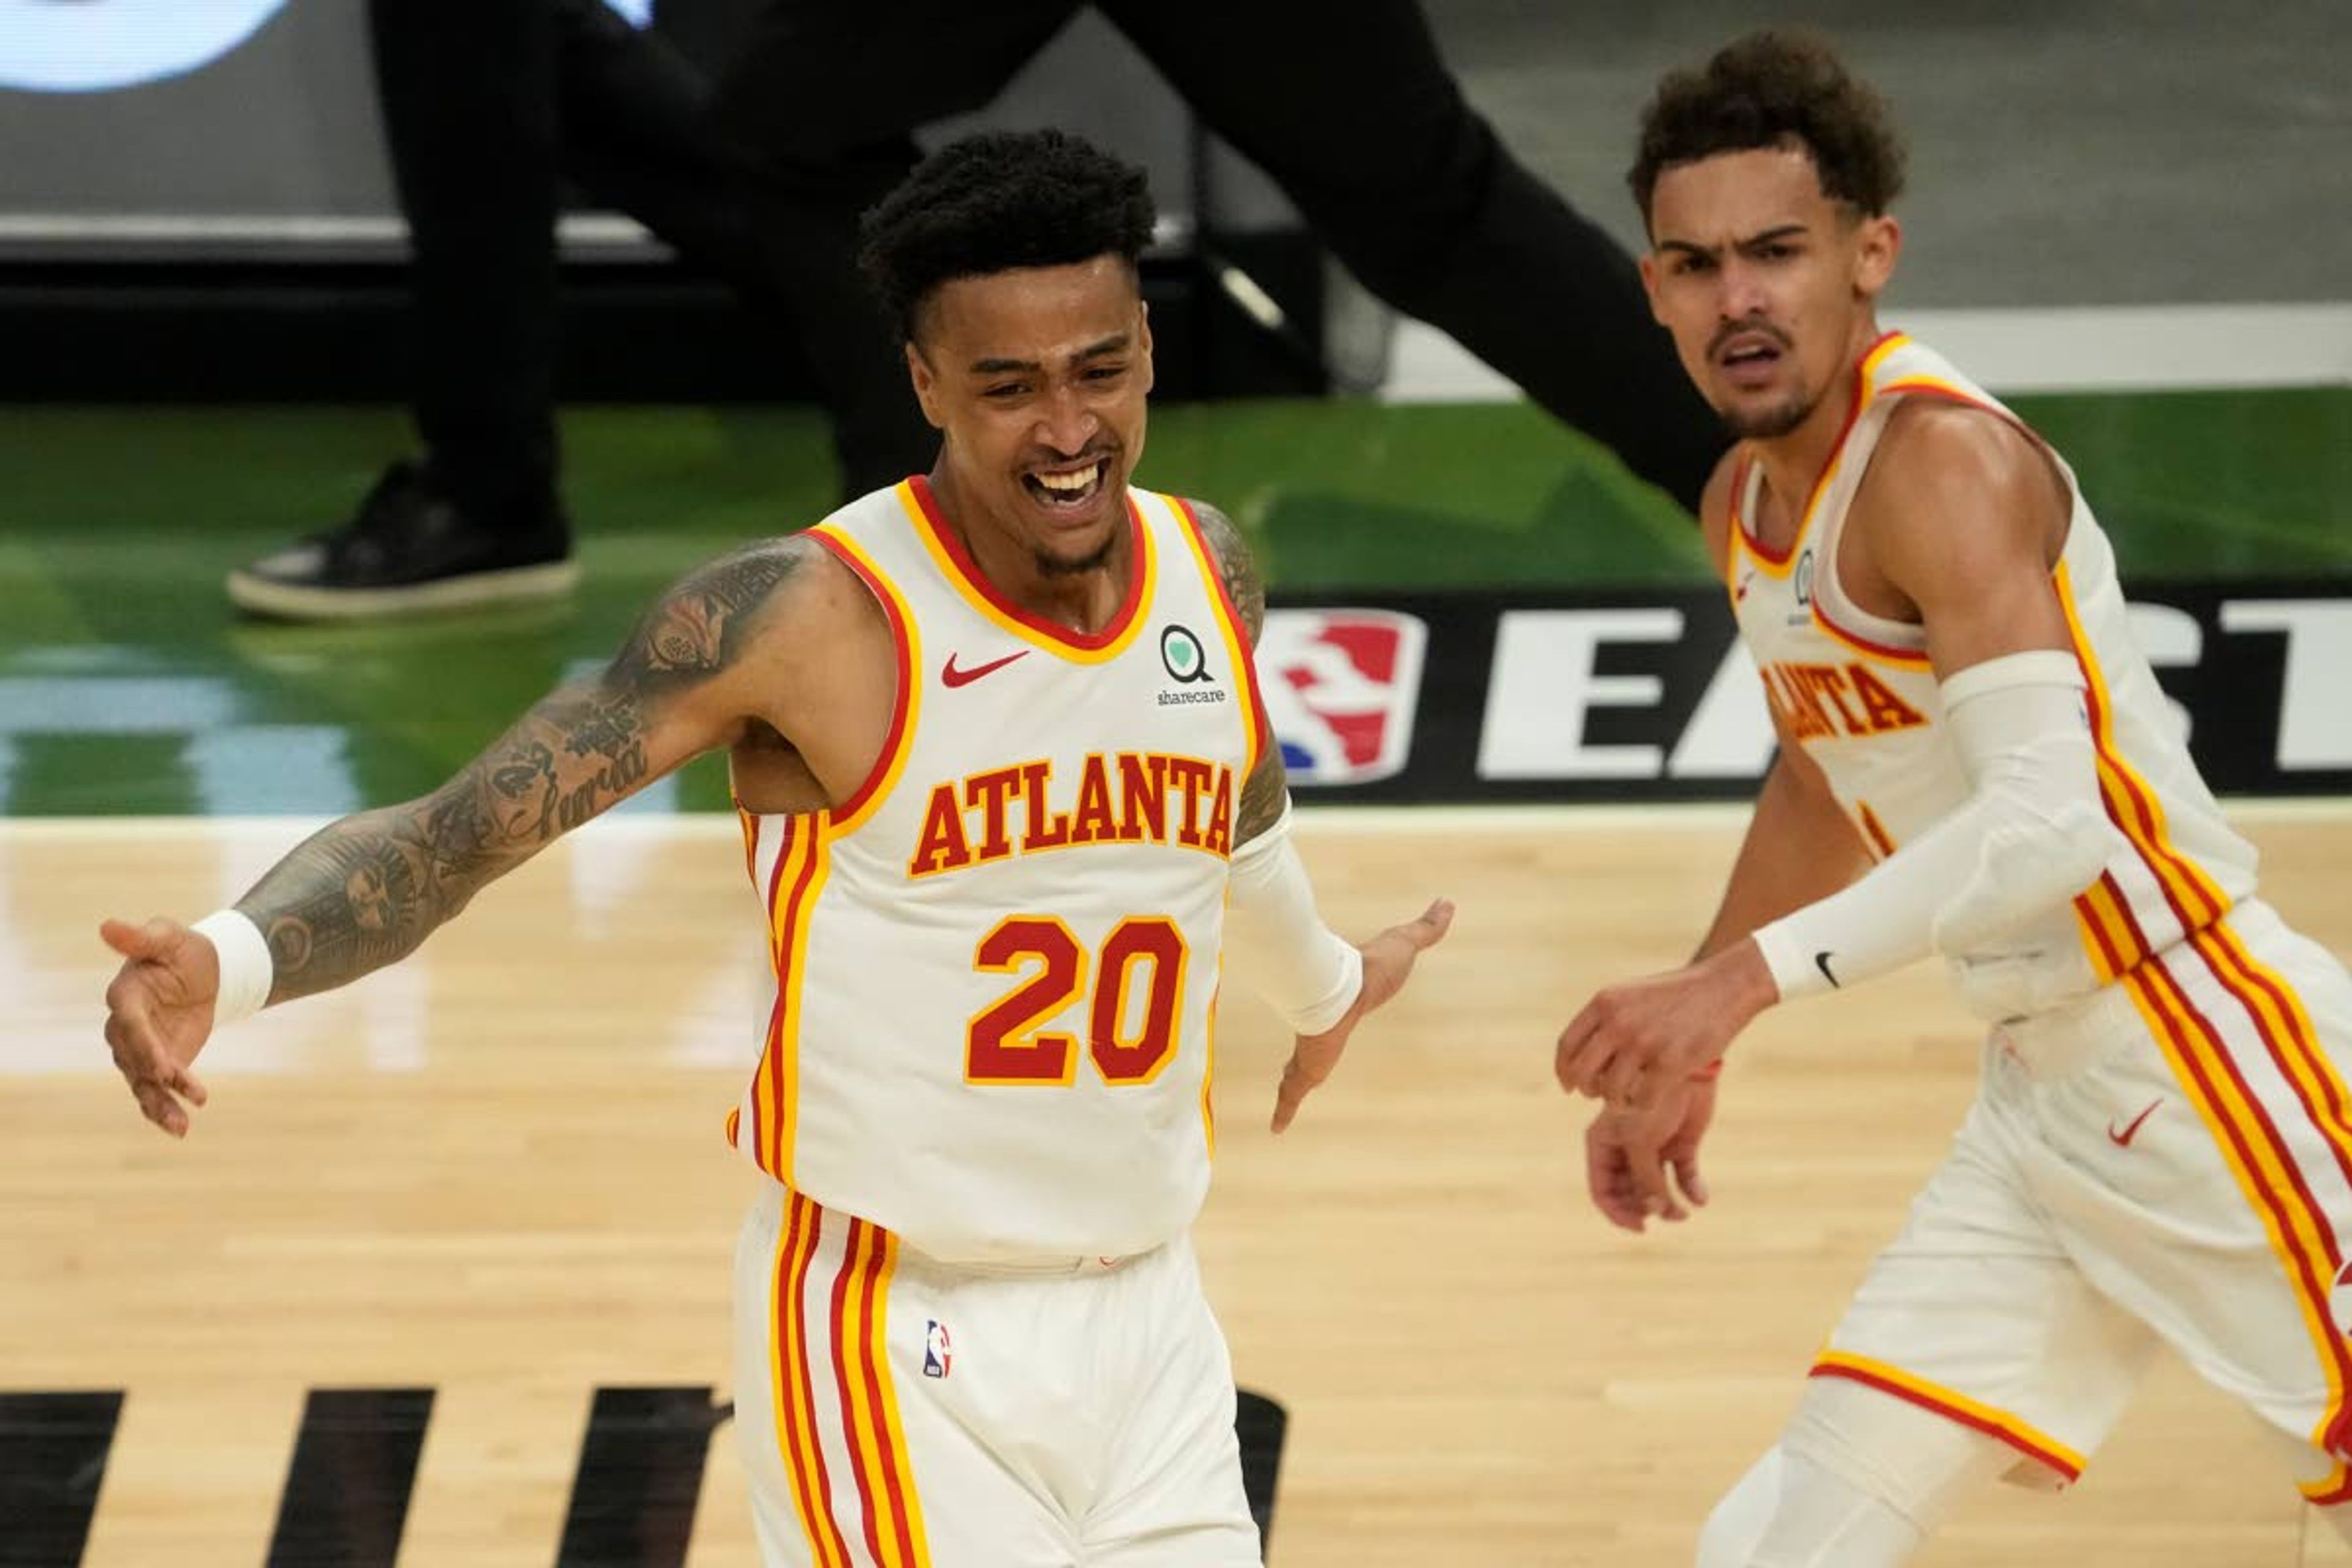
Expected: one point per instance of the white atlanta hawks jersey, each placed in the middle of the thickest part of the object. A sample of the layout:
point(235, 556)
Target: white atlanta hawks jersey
point(996, 965)
point(1858, 693)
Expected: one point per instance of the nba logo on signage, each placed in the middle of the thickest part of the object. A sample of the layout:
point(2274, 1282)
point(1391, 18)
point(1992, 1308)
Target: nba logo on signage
point(1340, 687)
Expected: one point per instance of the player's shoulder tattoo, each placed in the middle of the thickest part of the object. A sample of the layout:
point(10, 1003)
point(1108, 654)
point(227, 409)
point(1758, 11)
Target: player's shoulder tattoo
point(1235, 563)
point(705, 621)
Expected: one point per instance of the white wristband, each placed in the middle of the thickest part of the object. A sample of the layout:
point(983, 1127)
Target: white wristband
point(247, 970)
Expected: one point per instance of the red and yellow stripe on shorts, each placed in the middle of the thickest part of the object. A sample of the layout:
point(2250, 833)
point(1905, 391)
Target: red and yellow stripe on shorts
point(2241, 1045)
point(837, 1423)
point(1999, 1425)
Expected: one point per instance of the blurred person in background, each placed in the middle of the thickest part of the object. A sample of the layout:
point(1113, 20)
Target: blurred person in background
point(1353, 114)
point(759, 179)
point(489, 107)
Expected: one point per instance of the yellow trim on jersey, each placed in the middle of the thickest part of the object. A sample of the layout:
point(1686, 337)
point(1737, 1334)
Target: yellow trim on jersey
point(1952, 389)
point(908, 637)
point(1748, 480)
point(1885, 345)
point(1750, 483)
point(1238, 655)
point(1864, 395)
point(750, 827)
point(1209, 1063)
point(799, 884)
point(1147, 563)
point(2128, 796)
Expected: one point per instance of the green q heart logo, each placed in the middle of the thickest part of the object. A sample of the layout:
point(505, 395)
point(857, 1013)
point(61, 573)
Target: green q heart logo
point(1180, 650)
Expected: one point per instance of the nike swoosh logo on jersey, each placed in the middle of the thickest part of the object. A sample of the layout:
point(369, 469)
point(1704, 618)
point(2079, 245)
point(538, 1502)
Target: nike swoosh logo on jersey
point(1822, 963)
point(2123, 1140)
point(952, 677)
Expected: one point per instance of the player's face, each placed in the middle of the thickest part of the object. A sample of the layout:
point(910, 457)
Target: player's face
point(1036, 377)
point(1766, 283)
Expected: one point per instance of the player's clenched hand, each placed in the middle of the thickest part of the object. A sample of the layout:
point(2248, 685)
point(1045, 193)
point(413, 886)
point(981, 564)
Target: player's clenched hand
point(1640, 1165)
point(159, 1011)
point(1634, 1044)
point(1387, 961)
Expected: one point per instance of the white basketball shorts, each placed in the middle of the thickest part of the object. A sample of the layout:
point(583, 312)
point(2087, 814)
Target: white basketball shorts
point(897, 1412)
point(2169, 1163)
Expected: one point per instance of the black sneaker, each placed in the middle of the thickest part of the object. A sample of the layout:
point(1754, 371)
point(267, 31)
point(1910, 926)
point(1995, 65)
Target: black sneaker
point(409, 550)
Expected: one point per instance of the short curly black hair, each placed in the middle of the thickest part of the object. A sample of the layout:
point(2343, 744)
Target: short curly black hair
point(997, 201)
point(1767, 89)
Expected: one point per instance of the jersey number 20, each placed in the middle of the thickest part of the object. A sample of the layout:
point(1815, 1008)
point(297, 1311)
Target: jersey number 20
point(1008, 1041)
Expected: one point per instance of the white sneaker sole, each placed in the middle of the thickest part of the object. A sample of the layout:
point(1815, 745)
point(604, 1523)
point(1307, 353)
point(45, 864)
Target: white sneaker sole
point(287, 602)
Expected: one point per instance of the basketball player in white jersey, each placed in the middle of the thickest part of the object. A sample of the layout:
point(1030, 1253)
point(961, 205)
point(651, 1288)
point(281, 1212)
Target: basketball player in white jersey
point(1008, 801)
point(1975, 763)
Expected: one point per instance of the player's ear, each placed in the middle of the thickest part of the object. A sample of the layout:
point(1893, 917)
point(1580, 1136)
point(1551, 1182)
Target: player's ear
point(1879, 244)
point(1143, 343)
point(927, 387)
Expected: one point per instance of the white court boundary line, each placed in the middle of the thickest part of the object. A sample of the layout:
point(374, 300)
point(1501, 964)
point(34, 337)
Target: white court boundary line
point(1369, 821)
point(2096, 348)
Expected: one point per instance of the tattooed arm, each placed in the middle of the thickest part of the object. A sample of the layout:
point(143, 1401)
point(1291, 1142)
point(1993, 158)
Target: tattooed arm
point(1267, 789)
point(766, 641)
point(365, 892)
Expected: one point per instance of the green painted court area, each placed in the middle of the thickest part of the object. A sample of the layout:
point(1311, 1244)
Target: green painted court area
point(127, 685)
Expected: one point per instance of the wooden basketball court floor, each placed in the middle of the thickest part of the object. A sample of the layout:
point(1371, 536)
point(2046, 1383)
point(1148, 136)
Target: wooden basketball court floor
point(496, 1172)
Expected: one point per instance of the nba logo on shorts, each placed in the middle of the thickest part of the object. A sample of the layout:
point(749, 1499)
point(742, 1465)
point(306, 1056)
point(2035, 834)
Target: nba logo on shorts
point(935, 1358)
point(1340, 687)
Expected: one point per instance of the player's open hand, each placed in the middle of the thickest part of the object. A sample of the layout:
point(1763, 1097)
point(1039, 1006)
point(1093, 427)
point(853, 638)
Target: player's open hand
point(1634, 1043)
point(159, 1012)
point(1641, 1165)
point(1388, 962)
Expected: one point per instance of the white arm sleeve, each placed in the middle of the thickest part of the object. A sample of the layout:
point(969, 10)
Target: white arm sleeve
point(2032, 835)
point(1278, 944)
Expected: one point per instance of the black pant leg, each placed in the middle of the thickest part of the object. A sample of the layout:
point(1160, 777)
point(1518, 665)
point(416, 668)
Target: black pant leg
point(469, 97)
point(814, 76)
point(639, 136)
point(1355, 115)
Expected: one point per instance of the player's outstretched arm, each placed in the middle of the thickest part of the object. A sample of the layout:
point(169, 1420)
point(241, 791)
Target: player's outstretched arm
point(1319, 983)
point(367, 889)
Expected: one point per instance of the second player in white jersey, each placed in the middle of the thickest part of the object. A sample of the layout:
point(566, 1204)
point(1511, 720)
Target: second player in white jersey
point(1975, 763)
point(1859, 694)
